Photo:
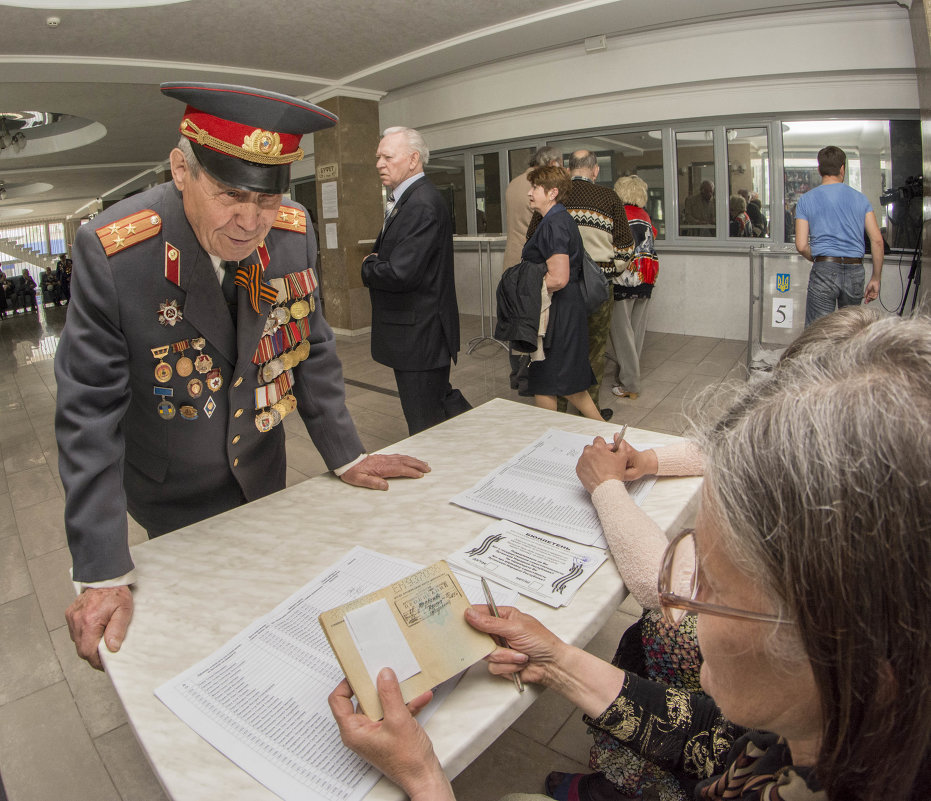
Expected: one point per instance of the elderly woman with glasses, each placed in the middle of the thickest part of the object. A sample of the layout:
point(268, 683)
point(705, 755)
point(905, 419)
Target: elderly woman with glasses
point(809, 571)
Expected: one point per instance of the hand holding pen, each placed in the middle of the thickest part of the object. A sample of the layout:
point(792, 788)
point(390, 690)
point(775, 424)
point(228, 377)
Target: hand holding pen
point(500, 640)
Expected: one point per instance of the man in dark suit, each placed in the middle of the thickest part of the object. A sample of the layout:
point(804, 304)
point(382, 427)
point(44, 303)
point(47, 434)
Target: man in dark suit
point(415, 317)
point(194, 329)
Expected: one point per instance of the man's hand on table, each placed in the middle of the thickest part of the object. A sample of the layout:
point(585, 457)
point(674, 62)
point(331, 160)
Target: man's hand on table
point(96, 613)
point(372, 471)
point(601, 462)
point(396, 744)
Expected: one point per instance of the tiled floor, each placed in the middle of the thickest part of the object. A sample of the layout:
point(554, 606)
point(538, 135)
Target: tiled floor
point(63, 734)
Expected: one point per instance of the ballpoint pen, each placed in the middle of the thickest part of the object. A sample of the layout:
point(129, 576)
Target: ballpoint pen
point(617, 443)
point(503, 643)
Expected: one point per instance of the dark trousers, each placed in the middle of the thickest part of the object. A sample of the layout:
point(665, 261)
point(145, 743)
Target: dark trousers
point(427, 397)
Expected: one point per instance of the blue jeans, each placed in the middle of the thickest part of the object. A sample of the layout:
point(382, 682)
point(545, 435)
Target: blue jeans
point(832, 286)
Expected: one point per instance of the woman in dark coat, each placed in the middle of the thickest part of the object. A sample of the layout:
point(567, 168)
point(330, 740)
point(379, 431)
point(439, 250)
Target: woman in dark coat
point(565, 369)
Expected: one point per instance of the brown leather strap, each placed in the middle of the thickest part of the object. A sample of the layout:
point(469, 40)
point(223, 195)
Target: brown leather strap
point(840, 259)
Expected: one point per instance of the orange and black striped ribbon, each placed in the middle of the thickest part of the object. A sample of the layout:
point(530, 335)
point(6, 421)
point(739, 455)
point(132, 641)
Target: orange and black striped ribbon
point(251, 279)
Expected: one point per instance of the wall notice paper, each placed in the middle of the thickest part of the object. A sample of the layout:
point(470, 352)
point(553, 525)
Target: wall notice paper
point(415, 625)
point(332, 240)
point(545, 568)
point(329, 202)
point(261, 699)
point(539, 488)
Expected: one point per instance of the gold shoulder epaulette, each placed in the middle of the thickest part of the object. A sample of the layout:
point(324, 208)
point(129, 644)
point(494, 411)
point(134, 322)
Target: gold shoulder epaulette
point(291, 219)
point(129, 231)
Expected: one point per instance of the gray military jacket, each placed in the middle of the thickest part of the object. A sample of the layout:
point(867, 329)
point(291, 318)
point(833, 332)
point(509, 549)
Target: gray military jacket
point(133, 432)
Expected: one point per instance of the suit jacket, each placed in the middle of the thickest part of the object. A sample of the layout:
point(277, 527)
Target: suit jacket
point(519, 214)
point(415, 316)
point(116, 449)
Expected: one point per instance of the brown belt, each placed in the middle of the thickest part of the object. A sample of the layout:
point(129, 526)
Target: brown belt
point(840, 259)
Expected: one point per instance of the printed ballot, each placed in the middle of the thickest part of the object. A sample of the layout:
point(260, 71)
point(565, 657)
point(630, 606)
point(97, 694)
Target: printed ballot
point(546, 568)
point(416, 626)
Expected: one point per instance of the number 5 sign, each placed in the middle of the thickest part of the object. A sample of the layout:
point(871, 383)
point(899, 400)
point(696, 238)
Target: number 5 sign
point(782, 312)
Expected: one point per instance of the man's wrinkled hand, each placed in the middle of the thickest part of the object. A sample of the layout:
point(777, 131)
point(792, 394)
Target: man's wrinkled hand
point(97, 613)
point(372, 471)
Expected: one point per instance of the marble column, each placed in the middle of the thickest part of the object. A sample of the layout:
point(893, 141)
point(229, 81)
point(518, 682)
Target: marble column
point(345, 160)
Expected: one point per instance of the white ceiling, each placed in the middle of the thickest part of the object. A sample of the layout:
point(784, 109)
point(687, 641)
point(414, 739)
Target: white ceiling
point(104, 64)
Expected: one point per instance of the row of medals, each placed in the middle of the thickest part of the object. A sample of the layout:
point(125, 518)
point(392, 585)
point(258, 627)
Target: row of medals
point(184, 367)
point(271, 416)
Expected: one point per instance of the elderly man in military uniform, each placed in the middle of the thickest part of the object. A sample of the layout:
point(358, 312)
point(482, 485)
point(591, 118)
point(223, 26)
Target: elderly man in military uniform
point(194, 330)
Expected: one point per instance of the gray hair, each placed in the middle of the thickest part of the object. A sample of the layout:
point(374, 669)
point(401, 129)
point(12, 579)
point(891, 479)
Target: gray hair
point(545, 155)
point(632, 190)
point(415, 142)
point(583, 160)
point(819, 482)
point(184, 145)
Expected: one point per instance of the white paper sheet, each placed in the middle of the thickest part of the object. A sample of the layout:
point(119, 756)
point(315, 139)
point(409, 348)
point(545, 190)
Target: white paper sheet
point(380, 642)
point(539, 488)
point(540, 566)
point(261, 699)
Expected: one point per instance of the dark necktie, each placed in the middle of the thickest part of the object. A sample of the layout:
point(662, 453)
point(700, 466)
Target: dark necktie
point(228, 286)
point(389, 207)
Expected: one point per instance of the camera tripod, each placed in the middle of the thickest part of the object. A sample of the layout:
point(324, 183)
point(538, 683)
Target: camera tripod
point(914, 280)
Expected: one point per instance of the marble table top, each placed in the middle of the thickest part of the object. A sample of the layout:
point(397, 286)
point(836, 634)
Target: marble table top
point(199, 586)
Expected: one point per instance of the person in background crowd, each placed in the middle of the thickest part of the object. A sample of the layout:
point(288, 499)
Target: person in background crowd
point(599, 214)
point(565, 370)
point(829, 224)
point(519, 214)
point(633, 288)
point(698, 212)
point(410, 278)
point(740, 224)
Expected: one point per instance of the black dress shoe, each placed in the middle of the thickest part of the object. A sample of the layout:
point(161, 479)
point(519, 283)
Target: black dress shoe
point(606, 414)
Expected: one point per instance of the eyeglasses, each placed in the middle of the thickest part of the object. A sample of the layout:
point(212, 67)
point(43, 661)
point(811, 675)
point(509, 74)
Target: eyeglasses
point(678, 586)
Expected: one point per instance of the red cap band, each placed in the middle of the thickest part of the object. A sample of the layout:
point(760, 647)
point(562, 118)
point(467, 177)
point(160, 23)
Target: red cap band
point(241, 141)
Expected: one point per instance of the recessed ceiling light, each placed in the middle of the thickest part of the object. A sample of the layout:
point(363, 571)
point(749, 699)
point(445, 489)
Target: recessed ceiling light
point(84, 5)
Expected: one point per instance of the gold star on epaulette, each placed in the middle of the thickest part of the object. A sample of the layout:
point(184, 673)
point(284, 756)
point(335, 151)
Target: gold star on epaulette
point(291, 219)
point(136, 228)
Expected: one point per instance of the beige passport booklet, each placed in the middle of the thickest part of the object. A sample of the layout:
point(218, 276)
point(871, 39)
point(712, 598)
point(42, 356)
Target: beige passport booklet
point(414, 626)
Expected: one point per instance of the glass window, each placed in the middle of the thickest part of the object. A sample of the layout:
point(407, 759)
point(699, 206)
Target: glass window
point(56, 235)
point(748, 182)
point(447, 172)
point(518, 160)
point(628, 153)
point(883, 162)
point(488, 214)
point(695, 178)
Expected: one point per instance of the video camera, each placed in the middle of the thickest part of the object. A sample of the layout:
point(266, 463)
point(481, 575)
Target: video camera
point(911, 189)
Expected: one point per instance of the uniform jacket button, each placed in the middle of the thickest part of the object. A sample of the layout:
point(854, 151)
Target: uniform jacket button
point(236, 439)
point(238, 413)
point(235, 462)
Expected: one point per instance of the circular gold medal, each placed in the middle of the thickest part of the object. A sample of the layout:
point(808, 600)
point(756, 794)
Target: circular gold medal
point(303, 350)
point(162, 372)
point(195, 388)
point(263, 421)
point(184, 367)
point(282, 408)
point(300, 309)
